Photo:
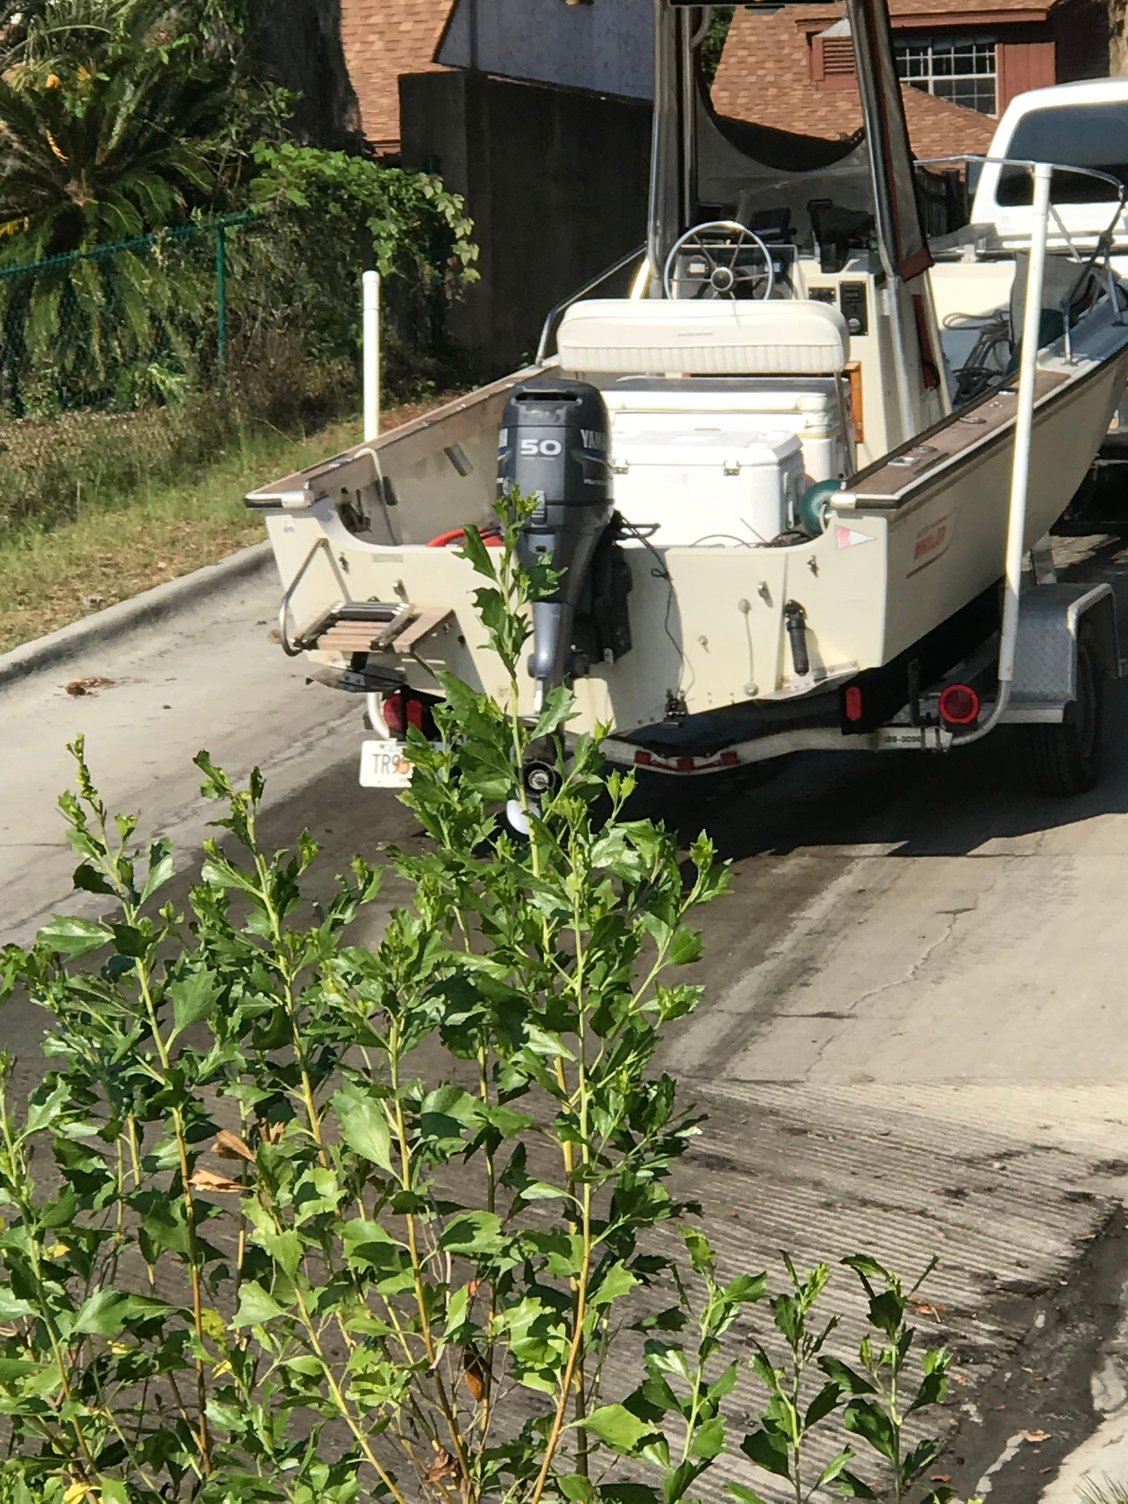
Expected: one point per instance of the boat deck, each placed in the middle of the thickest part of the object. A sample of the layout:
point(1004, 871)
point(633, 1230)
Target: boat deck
point(890, 481)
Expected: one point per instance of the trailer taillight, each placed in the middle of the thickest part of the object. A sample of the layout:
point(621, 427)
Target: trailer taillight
point(959, 705)
point(854, 703)
point(401, 711)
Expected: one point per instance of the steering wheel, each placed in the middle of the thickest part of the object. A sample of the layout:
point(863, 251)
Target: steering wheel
point(714, 249)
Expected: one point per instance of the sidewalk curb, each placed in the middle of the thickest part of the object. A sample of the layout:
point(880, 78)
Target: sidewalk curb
point(118, 620)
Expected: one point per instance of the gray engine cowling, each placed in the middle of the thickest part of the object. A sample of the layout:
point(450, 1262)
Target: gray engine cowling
point(554, 445)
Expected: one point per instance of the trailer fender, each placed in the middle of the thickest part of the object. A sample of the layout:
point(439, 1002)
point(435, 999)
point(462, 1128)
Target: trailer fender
point(1050, 619)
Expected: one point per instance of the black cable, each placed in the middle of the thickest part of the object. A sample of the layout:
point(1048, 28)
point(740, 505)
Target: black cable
point(662, 573)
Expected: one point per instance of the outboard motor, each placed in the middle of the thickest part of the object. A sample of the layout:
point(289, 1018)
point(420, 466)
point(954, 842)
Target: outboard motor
point(554, 445)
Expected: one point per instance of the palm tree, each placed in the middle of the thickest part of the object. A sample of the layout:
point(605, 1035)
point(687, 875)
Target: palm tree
point(107, 110)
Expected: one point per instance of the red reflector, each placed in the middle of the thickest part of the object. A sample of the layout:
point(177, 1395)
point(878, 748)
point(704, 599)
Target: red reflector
point(401, 711)
point(959, 705)
point(393, 713)
point(853, 703)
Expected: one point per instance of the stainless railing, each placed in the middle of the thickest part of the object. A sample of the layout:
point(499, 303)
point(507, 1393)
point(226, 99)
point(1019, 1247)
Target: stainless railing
point(581, 292)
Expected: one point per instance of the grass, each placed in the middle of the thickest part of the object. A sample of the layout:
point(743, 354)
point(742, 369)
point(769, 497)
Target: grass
point(1108, 1492)
point(154, 533)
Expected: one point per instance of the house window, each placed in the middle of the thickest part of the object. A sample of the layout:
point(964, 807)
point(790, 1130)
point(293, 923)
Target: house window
point(961, 69)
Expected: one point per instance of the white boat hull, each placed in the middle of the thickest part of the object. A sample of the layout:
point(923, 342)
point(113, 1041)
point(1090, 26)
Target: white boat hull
point(707, 623)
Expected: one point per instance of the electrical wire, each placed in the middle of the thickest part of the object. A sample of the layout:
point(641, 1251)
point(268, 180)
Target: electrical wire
point(660, 572)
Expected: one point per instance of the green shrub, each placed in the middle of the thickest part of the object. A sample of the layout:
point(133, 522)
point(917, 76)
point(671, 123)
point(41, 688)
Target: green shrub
point(292, 1218)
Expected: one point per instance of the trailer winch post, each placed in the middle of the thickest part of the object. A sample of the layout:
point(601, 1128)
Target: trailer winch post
point(370, 354)
point(1023, 433)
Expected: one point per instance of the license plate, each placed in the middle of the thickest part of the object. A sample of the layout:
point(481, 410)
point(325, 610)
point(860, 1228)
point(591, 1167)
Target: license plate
point(384, 765)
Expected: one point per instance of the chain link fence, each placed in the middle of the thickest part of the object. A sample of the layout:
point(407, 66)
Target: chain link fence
point(132, 362)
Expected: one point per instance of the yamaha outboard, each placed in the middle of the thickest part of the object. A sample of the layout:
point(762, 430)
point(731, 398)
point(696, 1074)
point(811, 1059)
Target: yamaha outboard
point(554, 445)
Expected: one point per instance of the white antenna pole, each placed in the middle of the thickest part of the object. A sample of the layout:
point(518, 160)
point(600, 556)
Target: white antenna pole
point(371, 356)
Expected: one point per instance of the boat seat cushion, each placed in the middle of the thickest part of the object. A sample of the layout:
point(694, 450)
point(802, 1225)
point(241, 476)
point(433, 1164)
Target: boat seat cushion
point(717, 337)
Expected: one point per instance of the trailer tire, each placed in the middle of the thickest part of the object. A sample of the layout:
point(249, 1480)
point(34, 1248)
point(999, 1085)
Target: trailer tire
point(1064, 760)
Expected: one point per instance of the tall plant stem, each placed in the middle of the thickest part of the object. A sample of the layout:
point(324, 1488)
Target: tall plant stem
point(446, 1406)
point(17, 1169)
point(342, 1404)
point(194, 1254)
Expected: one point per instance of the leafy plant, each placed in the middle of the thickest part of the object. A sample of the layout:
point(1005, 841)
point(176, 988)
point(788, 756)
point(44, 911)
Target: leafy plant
point(295, 1218)
point(713, 43)
point(363, 213)
point(875, 1407)
point(104, 122)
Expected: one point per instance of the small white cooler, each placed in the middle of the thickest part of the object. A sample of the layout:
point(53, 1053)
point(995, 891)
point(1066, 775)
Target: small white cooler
point(684, 485)
point(810, 407)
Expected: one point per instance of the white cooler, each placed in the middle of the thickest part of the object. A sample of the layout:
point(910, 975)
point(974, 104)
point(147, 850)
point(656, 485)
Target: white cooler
point(683, 485)
point(808, 407)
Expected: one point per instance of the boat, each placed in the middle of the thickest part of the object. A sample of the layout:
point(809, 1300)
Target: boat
point(788, 514)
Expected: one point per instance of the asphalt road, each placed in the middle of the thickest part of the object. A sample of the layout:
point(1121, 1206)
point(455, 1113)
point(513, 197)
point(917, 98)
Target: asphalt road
point(913, 1040)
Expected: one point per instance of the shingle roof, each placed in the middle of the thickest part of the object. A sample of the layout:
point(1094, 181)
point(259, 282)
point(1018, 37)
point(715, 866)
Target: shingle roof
point(382, 39)
point(765, 76)
point(385, 38)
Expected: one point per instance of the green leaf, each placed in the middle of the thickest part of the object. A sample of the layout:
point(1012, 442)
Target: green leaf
point(850, 1486)
point(834, 1467)
point(615, 1282)
point(46, 1106)
point(709, 1439)
point(842, 1374)
point(922, 1456)
point(867, 1269)
point(162, 868)
point(576, 1487)
point(12, 1308)
point(476, 552)
point(131, 940)
point(743, 1495)
point(112, 1491)
point(540, 1190)
point(933, 1388)
point(685, 947)
point(678, 1479)
point(194, 997)
point(822, 1404)
point(763, 1367)
point(88, 879)
point(557, 708)
point(746, 1288)
point(105, 1312)
point(769, 1450)
point(701, 1254)
point(472, 1232)
point(866, 1419)
point(255, 1306)
point(364, 1125)
point(939, 1495)
point(724, 1383)
point(71, 936)
point(615, 1425)
point(886, 1311)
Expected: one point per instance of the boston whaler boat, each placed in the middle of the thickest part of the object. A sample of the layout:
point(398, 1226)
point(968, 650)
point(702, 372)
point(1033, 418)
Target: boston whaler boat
point(788, 521)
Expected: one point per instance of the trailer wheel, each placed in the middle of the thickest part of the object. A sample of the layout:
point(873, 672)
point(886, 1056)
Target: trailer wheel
point(1065, 759)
